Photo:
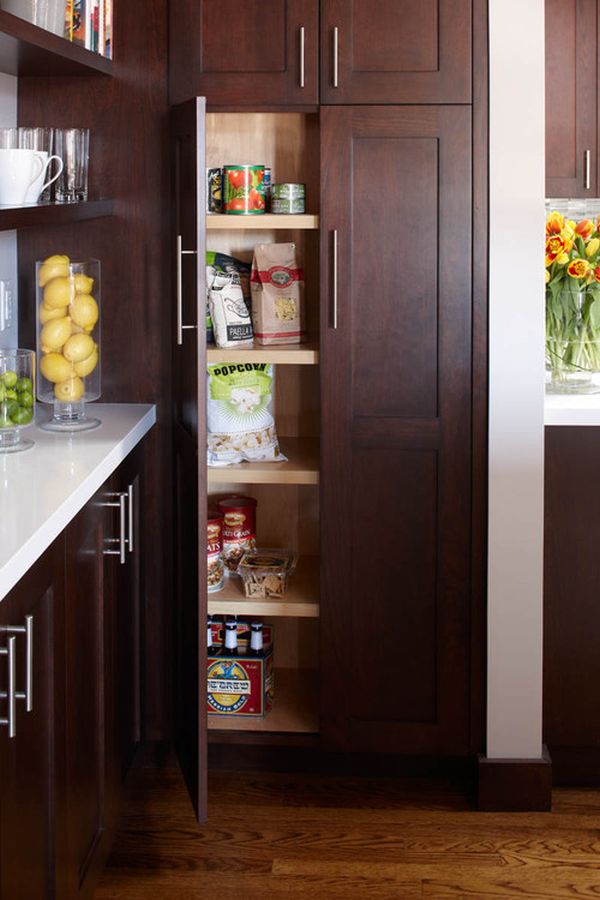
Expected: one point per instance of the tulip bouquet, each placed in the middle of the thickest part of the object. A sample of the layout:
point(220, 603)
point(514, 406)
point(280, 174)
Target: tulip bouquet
point(572, 301)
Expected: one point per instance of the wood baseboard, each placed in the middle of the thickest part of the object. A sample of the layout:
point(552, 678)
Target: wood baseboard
point(515, 785)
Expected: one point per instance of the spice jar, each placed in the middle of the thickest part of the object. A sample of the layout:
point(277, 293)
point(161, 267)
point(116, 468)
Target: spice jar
point(214, 548)
point(239, 528)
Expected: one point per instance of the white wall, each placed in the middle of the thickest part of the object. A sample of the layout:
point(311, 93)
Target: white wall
point(8, 239)
point(516, 429)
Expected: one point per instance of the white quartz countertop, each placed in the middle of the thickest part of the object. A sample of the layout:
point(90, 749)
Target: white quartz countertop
point(572, 409)
point(43, 489)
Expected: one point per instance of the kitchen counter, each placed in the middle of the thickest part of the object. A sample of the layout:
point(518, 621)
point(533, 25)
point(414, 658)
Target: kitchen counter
point(43, 489)
point(572, 409)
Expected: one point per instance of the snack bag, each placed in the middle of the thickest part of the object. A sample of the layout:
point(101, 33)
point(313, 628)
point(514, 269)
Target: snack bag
point(240, 421)
point(231, 322)
point(277, 285)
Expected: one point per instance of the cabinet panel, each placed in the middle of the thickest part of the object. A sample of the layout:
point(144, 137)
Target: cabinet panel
point(395, 433)
point(395, 51)
point(571, 97)
point(244, 52)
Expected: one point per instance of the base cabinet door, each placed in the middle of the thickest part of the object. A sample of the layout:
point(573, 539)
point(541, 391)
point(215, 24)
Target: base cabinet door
point(395, 429)
point(396, 51)
point(30, 833)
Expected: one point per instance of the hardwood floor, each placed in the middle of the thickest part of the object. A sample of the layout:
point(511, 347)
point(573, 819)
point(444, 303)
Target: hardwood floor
point(275, 836)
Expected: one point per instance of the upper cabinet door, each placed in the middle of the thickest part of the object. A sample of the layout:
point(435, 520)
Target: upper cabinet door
point(395, 51)
point(571, 98)
point(244, 52)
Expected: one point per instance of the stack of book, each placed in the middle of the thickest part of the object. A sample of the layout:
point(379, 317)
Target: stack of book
point(90, 23)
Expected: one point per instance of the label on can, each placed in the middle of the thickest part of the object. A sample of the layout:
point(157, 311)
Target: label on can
point(214, 549)
point(287, 205)
point(243, 190)
point(214, 190)
point(288, 191)
point(239, 529)
point(267, 186)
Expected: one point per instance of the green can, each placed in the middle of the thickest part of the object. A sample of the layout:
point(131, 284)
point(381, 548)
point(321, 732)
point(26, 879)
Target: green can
point(288, 199)
point(243, 190)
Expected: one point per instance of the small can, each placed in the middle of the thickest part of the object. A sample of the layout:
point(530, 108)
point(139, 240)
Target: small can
point(267, 186)
point(239, 529)
point(288, 199)
point(214, 191)
point(243, 190)
point(214, 550)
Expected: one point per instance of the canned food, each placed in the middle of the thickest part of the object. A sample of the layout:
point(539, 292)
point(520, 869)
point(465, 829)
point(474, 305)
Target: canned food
point(214, 549)
point(214, 190)
point(267, 184)
point(288, 199)
point(244, 190)
point(239, 528)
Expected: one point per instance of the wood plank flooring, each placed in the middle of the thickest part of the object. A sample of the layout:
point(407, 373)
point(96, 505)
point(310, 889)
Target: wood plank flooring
point(274, 836)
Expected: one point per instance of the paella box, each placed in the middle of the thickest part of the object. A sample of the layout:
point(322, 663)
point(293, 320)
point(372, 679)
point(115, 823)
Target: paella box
point(240, 685)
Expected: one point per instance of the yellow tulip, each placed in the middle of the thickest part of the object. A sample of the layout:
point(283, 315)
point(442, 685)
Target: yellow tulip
point(592, 247)
point(547, 276)
point(579, 268)
point(554, 223)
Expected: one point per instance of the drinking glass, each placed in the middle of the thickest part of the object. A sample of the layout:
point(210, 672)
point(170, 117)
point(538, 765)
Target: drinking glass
point(9, 138)
point(73, 147)
point(38, 138)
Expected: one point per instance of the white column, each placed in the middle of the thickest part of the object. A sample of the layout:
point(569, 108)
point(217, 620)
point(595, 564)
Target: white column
point(516, 402)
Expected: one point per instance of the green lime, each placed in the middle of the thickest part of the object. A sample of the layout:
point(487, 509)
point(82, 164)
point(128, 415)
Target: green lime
point(26, 400)
point(24, 384)
point(12, 408)
point(22, 416)
point(11, 395)
point(9, 379)
point(5, 422)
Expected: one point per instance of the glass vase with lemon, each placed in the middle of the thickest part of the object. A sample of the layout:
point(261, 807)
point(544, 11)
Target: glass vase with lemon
point(68, 340)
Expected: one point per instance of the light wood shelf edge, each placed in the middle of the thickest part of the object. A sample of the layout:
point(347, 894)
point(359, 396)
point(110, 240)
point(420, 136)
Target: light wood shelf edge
point(264, 222)
point(295, 708)
point(293, 354)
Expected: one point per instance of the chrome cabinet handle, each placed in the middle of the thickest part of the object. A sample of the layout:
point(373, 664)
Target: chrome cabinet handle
point(587, 178)
point(130, 520)
point(180, 326)
point(335, 279)
point(302, 39)
point(27, 630)
point(122, 539)
point(336, 57)
point(10, 720)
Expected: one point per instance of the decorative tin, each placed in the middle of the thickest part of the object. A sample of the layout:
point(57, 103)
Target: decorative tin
point(243, 190)
point(239, 529)
point(288, 199)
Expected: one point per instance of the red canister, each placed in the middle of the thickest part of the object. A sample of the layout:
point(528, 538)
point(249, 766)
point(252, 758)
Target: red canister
point(243, 190)
point(214, 549)
point(239, 528)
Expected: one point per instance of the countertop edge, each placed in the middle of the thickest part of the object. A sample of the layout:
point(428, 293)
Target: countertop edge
point(38, 543)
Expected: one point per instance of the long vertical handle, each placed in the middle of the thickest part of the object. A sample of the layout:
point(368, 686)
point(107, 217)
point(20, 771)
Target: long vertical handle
point(302, 41)
point(587, 178)
point(179, 292)
point(336, 57)
point(11, 693)
point(122, 527)
point(335, 280)
point(29, 663)
point(130, 511)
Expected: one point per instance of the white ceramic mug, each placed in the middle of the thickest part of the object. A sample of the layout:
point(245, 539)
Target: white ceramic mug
point(19, 169)
point(35, 189)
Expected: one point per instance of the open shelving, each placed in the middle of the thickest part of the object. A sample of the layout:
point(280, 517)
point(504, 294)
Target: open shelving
point(301, 598)
point(43, 214)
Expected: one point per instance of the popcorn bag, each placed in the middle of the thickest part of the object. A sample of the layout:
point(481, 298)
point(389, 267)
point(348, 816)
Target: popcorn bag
point(277, 284)
point(240, 420)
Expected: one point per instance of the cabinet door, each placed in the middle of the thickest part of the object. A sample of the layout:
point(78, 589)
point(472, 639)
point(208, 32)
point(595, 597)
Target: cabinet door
point(571, 98)
point(244, 52)
point(395, 51)
point(189, 403)
point(395, 430)
point(29, 827)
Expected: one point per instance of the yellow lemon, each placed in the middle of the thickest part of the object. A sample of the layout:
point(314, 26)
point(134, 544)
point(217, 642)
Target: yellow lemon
point(54, 333)
point(78, 347)
point(53, 267)
point(58, 292)
point(69, 391)
point(76, 329)
point(47, 313)
point(84, 311)
point(54, 367)
point(88, 365)
point(83, 283)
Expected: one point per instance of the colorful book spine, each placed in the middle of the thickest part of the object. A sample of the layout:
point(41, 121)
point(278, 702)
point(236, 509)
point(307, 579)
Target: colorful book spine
point(102, 28)
point(108, 27)
point(69, 20)
point(78, 28)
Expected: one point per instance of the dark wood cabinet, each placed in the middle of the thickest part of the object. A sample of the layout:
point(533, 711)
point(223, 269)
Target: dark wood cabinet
point(396, 51)
point(395, 442)
point(571, 98)
point(245, 52)
point(30, 827)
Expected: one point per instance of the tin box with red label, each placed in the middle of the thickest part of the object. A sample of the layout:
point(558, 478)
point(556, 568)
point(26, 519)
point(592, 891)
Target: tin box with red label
point(239, 529)
point(240, 685)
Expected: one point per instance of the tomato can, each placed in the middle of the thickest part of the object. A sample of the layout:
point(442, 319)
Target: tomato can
point(239, 529)
point(243, 190)
point(214, 550)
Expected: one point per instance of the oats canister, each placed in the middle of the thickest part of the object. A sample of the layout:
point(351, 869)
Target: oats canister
point(239, 529)
point(288, 199)
point(214, 550)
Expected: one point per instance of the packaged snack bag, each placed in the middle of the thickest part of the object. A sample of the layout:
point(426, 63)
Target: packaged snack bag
point(277, 284)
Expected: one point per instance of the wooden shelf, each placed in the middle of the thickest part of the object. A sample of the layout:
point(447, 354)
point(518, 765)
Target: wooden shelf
point(295, 708)
point(12, 217)
point(26, 49)
point(302, 466)
point(301, 599)
point(306, 354)
point(264, 222)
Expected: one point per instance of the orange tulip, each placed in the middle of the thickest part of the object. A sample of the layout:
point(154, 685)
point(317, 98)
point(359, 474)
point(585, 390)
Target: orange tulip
point(578, 268)
point(555, 223)
point(585, 229)
point(557, 246)
point(597, 274)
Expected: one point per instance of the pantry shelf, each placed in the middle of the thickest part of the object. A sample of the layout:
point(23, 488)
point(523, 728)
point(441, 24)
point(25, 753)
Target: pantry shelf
point(301, 599)
point(302, 466)
point(264, 222)
point(292, 354)
point(26, 49)
point(294, 708)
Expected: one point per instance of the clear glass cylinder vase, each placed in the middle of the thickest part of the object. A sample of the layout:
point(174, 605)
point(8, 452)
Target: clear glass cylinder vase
point(572, 342)
point(17, 404)
point(68, 340)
